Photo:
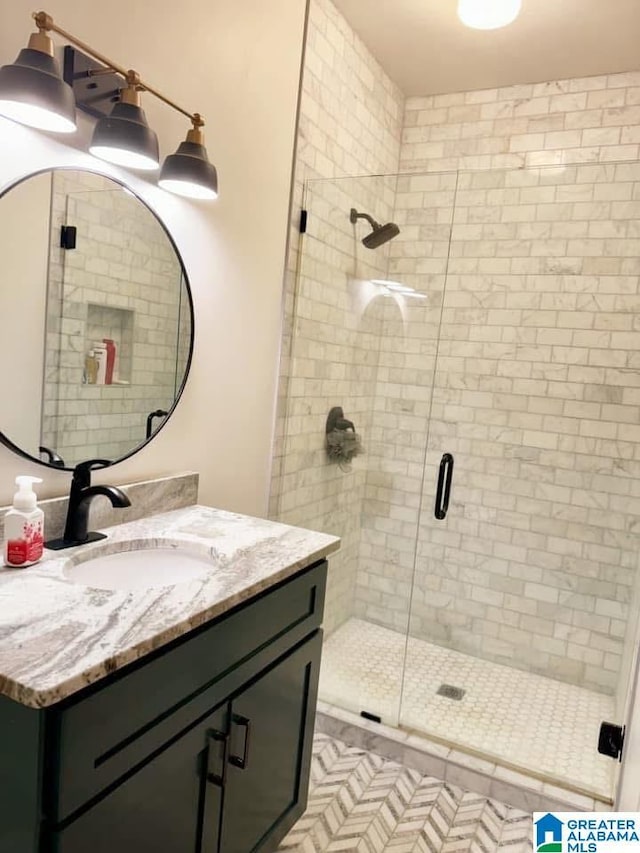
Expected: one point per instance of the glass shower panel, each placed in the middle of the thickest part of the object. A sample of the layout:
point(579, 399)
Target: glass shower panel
point(361, 344)
point(523, 618)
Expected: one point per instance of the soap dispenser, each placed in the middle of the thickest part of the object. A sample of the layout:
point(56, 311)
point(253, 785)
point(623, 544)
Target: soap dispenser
point(24, 526)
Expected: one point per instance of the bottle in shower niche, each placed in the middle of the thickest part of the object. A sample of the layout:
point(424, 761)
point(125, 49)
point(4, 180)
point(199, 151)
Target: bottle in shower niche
point(24, 526)
point(100, 355)
point(91, 368)
point(111, 360)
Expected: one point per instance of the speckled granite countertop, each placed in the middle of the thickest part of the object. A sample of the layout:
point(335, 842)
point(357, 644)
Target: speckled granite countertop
point(57, 637)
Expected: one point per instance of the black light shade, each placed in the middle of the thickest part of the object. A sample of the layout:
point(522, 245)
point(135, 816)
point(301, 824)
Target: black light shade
point(32, 92)
point(125, 138)
point(189, 172)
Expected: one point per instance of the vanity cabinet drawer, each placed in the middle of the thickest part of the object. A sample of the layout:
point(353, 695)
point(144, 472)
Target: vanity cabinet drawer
point(108, 734)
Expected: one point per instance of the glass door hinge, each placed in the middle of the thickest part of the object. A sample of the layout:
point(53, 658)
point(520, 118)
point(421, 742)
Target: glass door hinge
point(611, 740)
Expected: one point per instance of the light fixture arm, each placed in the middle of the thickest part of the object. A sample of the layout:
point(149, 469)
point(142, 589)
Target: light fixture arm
point(45, 23)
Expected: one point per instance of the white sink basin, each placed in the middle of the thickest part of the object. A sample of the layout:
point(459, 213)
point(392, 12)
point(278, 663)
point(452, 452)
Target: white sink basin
point(143, 568)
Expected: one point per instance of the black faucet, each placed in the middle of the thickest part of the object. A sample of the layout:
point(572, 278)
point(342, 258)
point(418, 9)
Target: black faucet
point(80, 497)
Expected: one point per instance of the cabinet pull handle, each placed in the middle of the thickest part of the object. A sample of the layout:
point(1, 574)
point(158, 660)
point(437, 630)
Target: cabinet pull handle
point(216, 737)
point(443, 490)
point(243, 762)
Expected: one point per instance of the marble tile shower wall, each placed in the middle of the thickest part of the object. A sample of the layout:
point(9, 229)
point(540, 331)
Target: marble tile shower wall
point(350, 124)
point(538, 386)
point(584, 120)
point(536, 392)
point(121, 282)
point(334, 362)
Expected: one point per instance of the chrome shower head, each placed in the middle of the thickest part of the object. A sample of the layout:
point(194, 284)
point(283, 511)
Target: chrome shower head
point(381, 233)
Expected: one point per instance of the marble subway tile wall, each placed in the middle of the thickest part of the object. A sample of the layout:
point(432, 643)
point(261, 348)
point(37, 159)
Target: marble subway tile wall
point(584, 120)
point(123, 282)
point(536, 395)
point(537, 384)
point(350, 124)
point(334, 362)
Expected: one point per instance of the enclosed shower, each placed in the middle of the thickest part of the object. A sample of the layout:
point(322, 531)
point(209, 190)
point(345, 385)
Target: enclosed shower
point(488, 356)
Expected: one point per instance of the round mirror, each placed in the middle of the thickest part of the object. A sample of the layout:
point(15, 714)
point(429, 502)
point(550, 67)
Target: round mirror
point(97, 319)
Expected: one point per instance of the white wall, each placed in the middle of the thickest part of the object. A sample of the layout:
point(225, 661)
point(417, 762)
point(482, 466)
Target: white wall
point(238, 64)
point(24, 226)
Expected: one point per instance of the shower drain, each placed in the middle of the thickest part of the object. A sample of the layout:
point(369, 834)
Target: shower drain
point(450, 691)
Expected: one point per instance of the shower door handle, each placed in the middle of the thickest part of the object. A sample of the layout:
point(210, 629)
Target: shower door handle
point(443, 490)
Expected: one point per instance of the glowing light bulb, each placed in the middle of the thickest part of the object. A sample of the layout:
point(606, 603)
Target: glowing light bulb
point(34, 116)
point(124, 157)
point(488, 14)
point(188, 189)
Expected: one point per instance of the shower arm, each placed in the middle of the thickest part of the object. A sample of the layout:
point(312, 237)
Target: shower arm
point(354, 216)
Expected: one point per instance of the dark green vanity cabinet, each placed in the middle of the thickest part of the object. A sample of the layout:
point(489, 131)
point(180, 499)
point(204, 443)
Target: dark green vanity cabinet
point(200, 747)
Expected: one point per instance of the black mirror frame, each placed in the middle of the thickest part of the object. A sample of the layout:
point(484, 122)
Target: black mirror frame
point(4, 440)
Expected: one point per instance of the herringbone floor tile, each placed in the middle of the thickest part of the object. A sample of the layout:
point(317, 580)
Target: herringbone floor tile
point(362, 803)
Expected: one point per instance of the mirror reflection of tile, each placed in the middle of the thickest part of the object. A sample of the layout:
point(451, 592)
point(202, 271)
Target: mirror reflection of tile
point(121, 284)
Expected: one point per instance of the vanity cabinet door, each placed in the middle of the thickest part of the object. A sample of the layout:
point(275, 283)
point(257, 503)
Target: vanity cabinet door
point(269, 753)
point(159, 808)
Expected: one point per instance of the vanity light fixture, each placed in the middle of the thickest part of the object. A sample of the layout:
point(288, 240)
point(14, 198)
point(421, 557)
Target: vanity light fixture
point(124, 137)
point(488, 14)
point(189, 172)
point(33, 92)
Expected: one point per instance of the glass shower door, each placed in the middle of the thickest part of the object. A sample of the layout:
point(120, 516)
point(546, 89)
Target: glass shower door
point(522, 619)
point(360, 344)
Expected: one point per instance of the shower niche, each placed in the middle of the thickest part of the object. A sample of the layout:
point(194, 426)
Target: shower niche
point(106, 323)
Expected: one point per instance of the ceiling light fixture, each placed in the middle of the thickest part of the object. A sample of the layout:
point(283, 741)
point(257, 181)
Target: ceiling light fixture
point(488, 14)
point(33, 92)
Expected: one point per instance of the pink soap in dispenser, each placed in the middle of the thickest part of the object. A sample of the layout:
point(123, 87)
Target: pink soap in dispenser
point(24, 526)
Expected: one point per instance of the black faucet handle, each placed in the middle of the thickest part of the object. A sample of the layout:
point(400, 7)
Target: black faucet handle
point(337, 420)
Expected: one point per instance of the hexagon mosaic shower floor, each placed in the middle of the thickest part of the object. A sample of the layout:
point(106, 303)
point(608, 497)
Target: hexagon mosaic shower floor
point(519, 718)
point(362, 803)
